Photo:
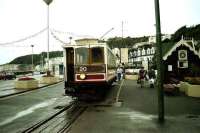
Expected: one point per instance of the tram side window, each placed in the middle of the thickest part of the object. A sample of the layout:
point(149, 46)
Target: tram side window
point(97, 55)
point(82, 55)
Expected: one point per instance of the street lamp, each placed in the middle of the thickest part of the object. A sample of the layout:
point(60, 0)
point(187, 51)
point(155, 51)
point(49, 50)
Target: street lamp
point(32, 56)
point(48, 2)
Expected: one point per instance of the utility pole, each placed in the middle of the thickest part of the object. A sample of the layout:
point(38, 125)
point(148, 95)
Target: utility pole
point(120, 52)
point(159, 63)
point(48, 2)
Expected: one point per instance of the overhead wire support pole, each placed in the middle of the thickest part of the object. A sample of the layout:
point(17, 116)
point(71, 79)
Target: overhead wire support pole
point(48, 36)
point(159, 62)
point(48, 2)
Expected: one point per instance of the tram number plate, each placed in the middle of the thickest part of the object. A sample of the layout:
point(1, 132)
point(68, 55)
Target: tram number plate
point(83, 69)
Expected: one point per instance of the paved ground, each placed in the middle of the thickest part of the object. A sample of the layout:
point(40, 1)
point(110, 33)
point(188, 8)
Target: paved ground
point(138, 113)
point(21, 111)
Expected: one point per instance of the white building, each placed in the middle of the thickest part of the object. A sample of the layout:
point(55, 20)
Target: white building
point(141, 54)
point(56, 66)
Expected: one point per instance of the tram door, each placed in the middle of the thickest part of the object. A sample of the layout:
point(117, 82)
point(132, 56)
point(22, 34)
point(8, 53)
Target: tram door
point(70, 64)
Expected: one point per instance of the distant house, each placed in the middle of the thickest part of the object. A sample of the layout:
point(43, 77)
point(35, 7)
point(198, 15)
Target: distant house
point(141, 55)
point(56, 66)
point(181, 59)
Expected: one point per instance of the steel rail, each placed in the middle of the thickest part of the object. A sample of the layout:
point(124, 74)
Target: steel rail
point(42, 122)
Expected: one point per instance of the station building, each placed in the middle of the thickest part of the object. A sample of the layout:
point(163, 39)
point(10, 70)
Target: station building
point(181, 59)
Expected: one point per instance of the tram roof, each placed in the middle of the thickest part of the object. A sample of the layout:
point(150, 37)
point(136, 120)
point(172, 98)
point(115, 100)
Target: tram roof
point(86, 45)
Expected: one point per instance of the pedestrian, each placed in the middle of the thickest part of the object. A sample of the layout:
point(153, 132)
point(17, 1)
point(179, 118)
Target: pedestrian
point(141, 76)
point(123, 71)
point(152, 76)
point(119, 73)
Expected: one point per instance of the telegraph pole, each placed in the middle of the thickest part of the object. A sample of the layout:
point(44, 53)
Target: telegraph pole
point(120, 52)
point(159, 63)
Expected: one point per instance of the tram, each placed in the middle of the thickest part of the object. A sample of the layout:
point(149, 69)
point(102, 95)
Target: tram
point(90, 67)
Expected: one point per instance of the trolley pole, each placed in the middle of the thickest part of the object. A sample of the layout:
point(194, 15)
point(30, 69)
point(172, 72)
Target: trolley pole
point(159, 63)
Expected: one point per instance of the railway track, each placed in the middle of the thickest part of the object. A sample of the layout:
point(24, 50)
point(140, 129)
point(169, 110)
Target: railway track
point(59, 122)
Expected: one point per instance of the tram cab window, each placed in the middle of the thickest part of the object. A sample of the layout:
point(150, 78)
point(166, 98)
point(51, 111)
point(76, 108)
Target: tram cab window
point(97, 55)
point(82, 55)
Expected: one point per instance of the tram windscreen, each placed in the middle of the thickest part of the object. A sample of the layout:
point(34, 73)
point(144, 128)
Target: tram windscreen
point(97, 55)
point(82, 55)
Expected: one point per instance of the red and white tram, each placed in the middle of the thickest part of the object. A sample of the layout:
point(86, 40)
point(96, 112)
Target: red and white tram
point(88, 64)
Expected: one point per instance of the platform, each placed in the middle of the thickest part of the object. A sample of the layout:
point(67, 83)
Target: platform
point(138, 113)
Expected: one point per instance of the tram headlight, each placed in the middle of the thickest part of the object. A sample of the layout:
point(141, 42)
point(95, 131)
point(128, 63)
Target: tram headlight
point(82, 76)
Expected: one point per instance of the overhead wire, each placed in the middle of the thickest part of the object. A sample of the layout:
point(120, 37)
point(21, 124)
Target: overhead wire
point(23, 39)
point(70, 33)
point(56, 38)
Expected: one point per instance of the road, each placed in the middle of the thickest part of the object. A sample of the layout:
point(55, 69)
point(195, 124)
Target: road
point(21, 111)
point(7, 86)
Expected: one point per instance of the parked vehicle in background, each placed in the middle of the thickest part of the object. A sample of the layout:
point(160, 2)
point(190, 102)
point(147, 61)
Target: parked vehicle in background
point(7, 76)
point(1, 76)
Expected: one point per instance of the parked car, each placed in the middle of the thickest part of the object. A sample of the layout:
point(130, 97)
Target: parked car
point(10, 76)
point(7, 76)
point(2, 75)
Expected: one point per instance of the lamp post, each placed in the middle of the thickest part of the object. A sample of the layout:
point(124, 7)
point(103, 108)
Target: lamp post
point(159, 64)
point(48, 2)
point(32, 56)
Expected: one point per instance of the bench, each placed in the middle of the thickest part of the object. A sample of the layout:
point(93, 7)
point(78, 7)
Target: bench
point(170, 89)
point(174, 80)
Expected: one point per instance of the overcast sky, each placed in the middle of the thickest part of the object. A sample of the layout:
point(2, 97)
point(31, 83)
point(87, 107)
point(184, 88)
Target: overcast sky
point(80, 18)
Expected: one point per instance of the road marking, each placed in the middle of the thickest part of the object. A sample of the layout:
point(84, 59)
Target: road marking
point(119, 90)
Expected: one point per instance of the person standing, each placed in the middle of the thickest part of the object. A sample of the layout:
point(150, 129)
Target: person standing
point(123, 71)
point(152, 76)
point(119, 73)
point(141, 76)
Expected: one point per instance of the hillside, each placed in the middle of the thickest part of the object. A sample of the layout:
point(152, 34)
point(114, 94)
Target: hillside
point(37, 58)
point(187, 32)
point(127, 42)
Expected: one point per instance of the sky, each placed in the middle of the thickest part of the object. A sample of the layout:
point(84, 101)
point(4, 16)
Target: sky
point(85, 18)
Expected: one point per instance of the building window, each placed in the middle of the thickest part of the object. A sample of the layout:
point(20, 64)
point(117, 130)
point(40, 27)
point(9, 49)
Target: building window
point(143, 52)
point(138, 53)
point(148, 51)
point(152, 50)
point(135, 53)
